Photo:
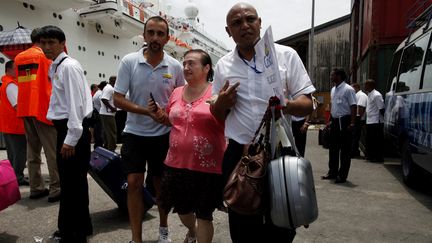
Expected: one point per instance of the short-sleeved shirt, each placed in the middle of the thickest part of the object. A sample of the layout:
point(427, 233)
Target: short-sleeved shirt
point(254, 92)
point(12, 94)
point(96, 100)
point(107, 94)
point(361, 101)
point(139, 78)
point(343, 96)
point(375, 103)
point(197, 140)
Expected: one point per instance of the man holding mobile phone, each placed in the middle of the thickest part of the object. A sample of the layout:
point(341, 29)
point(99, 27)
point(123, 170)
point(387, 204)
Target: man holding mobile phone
point(146, 142)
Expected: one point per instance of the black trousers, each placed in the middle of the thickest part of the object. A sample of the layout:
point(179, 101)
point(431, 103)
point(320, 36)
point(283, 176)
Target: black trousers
point(98, 140)
point(74, 220)
point(299, 137)
point(16, 145)
point(120, 117)
point(250, 228)
point(356, 136)
point(340, 147)
point(374, 141)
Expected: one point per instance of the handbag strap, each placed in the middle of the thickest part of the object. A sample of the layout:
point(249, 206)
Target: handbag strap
point(264, 122)
point(268, 121)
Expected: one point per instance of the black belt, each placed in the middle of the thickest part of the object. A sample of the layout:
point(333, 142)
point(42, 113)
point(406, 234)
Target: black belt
point(341, 122)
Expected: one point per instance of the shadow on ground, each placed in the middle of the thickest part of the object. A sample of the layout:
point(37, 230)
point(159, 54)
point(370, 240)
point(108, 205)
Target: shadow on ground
point(111, 220)
point(7, 238)
point(421, 191)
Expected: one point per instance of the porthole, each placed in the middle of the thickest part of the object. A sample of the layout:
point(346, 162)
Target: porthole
point(101, 31)
point(103, 54)
point(85, 72)
point(99, 53)
point(25, 5)
point(103, 75)
point(54, 15)
point(1, 27)
point(2, 60)
point(84, 49)
point(82, 25)
point(114, 36)
point(32, 7)
point(79, 48)
point(60, 17)
point(78, 23)
point(100, 75)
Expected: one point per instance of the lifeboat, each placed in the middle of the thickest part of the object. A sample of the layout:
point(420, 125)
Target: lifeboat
point(123, 18)
point(99, 10)
point(181, 47)
point(58, 5)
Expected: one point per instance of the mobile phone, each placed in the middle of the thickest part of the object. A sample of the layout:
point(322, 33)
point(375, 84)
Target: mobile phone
point(152, 98)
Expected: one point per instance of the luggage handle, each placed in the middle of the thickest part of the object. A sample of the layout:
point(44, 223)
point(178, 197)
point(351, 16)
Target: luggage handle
point(285, 122)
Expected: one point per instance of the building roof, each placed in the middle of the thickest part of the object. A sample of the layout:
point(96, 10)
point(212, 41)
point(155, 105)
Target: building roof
point(317, 29)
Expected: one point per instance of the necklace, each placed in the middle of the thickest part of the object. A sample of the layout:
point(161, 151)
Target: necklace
point(191, 96)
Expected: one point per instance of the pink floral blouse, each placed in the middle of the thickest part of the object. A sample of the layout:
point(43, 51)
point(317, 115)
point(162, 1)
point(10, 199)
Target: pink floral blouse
point(197, 140)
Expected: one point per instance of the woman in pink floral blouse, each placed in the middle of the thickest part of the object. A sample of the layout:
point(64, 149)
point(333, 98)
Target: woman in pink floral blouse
point(192, 182)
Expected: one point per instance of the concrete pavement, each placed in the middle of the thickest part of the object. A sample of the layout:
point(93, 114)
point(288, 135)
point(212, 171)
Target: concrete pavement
point(373, 206)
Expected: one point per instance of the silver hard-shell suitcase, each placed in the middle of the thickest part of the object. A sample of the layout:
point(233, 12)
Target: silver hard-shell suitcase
point(292, 192)
point(291, 186)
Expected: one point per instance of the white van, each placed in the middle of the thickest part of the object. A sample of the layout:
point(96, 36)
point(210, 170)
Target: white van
point(408, 116)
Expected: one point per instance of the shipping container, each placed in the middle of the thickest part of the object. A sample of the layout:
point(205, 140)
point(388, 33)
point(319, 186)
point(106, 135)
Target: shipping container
point(377, 28)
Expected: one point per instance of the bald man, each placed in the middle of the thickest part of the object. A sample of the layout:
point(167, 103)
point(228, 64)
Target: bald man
point(243, 105)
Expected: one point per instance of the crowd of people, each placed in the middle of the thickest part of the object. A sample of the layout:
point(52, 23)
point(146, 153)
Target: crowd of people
point(187, 125)
point(351, 110)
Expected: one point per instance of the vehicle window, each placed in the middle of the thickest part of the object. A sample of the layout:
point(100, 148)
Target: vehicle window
point(391, 83)
point(411, 66)
point(427, 78)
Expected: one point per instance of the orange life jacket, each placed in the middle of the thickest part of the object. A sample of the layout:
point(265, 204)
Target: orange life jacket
point(34, 86)
point(9, 122)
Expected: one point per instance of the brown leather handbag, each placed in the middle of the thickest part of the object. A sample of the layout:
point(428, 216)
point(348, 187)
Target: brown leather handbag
point(246, 185)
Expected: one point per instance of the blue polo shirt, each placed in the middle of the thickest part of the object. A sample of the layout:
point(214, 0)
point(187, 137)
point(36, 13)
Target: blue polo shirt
point(137, 78)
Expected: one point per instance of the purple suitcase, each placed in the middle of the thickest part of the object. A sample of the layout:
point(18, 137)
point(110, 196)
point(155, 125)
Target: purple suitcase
point(105, 169)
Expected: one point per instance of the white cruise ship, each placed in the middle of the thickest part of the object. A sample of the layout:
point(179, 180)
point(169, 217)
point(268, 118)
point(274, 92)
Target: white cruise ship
point(99, 33)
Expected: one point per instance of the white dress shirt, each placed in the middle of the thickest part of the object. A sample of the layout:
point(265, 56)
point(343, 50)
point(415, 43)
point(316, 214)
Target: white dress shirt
point(70, 97)
point(254, 92)
point(361, 101)
point(342, 98)
point(375, 103)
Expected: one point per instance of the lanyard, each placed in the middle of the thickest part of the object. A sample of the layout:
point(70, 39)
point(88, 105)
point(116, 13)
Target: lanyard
point(59, 63)
point(253, 67)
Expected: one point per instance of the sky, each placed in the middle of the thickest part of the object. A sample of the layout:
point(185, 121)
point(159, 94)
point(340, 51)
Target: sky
point(287, 17)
